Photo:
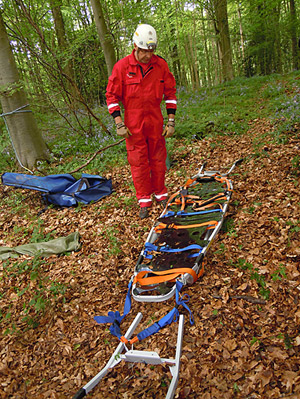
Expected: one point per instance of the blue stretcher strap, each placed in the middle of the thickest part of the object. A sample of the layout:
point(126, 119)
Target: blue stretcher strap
point(173, 315)
point(114, 317)
point(183, 213)
point(166, 320)
point(183, 300)
point(151, 247)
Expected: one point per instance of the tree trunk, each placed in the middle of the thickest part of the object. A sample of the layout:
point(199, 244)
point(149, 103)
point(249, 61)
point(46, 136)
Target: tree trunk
point(295, 50)
point(104, 36)
point(207, 56)
point(241, 33)
point(277, 39)
point(27, 140)
point(222, 32)
point(63, 44)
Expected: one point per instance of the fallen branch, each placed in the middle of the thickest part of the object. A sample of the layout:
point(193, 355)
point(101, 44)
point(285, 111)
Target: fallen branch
point(244, 297)
point(95, 154)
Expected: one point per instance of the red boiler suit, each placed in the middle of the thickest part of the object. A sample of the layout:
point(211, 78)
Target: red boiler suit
point(141, 88)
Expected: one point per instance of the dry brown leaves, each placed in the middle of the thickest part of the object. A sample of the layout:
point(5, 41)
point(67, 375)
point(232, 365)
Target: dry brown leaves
point(241, 345)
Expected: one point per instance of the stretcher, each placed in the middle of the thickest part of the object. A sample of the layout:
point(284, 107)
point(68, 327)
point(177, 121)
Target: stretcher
point(172, 258)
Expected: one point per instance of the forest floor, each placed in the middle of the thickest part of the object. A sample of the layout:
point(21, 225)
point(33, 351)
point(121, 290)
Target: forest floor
point(245, 342)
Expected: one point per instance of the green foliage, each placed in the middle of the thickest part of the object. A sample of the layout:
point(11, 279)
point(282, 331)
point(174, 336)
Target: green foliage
point(229, 228)
point(225, 109)
point(38, 233)
point(279, 274)
point(32, 289)
point(228, 108)
point(113, 247)
point(296, 165)
point(255, 275)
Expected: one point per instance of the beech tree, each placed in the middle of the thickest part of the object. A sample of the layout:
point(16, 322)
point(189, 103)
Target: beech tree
point(223, 38)
point(26, 138)
point(294, 38)
point(104, 36)
point(63, 44)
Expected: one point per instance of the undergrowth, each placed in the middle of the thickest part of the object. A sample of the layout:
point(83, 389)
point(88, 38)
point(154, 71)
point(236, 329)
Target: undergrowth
point(220, 110)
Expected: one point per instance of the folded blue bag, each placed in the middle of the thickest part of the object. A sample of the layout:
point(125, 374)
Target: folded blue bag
point(62, 190)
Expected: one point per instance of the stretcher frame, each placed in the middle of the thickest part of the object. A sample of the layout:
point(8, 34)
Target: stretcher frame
point(134, 356)
point(147, 357)
point(185, 279)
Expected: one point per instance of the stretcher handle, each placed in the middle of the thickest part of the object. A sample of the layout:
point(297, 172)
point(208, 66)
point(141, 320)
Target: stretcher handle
point(80, 394)
point(236, 163)
point(202, 172)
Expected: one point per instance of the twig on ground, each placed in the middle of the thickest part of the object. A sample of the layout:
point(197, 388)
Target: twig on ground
point(244, 297)
point(95, 154)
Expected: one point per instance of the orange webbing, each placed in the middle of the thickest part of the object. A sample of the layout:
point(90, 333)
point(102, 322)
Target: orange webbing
point(201, 271)
point(124, 340)
point(134, 340)
point(211, 225)
point(178, 201)
point(217, 197)
point(223, 179)
point(189, 182)
point(187, 199)
point(184, 202)
point(163, 276)
point(203, 207)
point(169, 201)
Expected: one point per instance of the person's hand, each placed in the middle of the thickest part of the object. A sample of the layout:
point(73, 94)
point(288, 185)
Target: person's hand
point(123, 130)
point(169, 129)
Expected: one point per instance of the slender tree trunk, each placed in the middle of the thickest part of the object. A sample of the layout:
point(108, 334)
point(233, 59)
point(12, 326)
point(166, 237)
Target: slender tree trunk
point(104, 36)
point(295, 50)
point(63, 43)
point(241, 32)
point(194, 65)
point(207, 56)
point(222, 32)
point(277, 40)
point(25, 135)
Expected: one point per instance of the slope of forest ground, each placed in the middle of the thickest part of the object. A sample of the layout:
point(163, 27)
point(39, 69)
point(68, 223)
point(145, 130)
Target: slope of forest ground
point(245, 342)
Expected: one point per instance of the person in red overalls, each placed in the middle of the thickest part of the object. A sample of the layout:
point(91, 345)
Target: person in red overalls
point(140, 81)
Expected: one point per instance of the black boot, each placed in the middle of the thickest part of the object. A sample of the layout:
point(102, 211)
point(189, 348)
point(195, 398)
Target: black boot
point(144, 213)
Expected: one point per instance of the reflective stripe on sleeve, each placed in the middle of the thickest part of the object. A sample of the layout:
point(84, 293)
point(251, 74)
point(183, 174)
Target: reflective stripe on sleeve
point(112, 105)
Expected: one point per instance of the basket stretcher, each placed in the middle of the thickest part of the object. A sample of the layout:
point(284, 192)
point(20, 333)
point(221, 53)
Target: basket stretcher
point(172, 257)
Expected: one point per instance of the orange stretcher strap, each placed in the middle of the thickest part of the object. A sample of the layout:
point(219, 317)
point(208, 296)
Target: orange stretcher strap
point(211, 225)
point(189, 182)
point(203, 207)
point(163, 276)
point(169, 201)
point(201, 271)
point(223, 179)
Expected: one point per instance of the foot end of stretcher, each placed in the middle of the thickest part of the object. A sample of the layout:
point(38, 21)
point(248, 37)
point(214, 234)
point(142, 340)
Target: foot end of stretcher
point(139, 356)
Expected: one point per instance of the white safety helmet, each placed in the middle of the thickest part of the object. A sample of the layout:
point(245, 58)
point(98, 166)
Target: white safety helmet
point(145, 37)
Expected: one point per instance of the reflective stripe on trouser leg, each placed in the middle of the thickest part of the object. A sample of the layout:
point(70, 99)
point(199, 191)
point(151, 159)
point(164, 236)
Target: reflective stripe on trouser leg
point(145, 202)
point(161, 197)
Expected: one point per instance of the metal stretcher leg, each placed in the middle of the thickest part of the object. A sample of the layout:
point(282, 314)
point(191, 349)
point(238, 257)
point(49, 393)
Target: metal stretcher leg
point(136, 356)
point(113, 361)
